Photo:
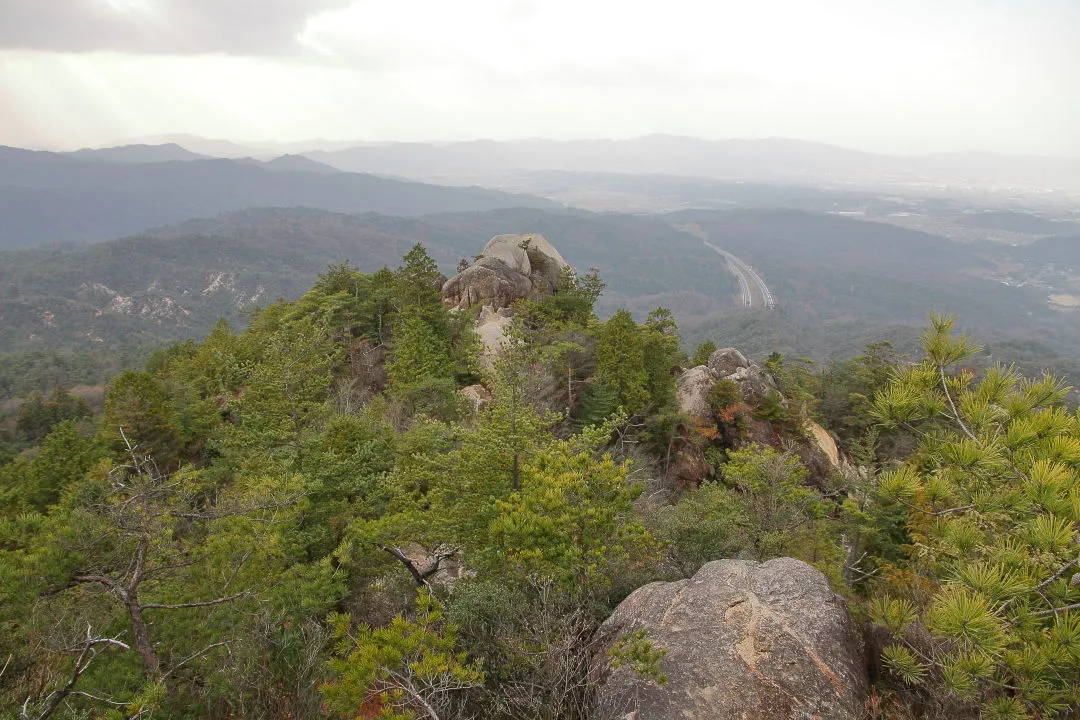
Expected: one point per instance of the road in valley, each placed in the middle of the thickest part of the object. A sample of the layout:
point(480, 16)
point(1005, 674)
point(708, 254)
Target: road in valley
point(752, 288)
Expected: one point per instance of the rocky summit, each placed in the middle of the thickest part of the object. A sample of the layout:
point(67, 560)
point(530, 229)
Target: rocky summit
point(510, 267)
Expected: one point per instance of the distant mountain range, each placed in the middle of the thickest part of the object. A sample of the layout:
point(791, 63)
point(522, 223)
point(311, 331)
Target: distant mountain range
point(140, 153)
point(771, 160)
point(99, 194)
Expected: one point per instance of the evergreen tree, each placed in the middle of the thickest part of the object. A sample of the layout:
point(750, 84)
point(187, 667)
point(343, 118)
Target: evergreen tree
point(37, 483)
point(407, 670)
point(988, 614)
point(284, 390)
point(38, 415)
point(418, 280)
point(660, 338)
point(571, 523)
point(702, 353)
point(422, 351)
point(137, 408)
point(620, 362)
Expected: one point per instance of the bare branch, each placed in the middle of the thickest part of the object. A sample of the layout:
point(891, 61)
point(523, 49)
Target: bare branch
point(86, 656)
point(205, 603)
point(108, 582)
point(1055, 611)
point(197, 655)
point(222, 513)
point(107, 701)
point(421, 574)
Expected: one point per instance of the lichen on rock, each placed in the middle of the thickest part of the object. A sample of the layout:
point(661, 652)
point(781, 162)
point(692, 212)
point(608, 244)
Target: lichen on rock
point(743, 640)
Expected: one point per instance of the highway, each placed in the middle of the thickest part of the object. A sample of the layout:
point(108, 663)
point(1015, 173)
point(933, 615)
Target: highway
point(752, 288)
point(749, 281)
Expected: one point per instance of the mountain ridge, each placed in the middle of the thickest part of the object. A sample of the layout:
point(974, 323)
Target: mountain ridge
point(54, 198)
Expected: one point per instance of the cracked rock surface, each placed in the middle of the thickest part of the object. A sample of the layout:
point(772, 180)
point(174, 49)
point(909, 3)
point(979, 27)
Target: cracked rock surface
point(744, 641)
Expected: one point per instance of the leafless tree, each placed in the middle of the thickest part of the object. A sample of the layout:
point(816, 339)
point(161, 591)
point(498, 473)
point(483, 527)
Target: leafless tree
point(88, 651)
point(134, 545)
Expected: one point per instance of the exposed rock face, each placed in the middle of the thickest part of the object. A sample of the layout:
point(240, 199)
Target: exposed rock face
point(490, 281)
point(692, 390)
point(754, 383)
point(690, 467)
point(825, 443)
point(726, 361)
point(744, 641)
point(506, 272)
point(508, 249)
point(491, 329)
point(477, 395)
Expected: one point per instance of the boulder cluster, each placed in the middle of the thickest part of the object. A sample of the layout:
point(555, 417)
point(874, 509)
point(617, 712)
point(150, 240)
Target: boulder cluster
point(759, 641)
point(692, 388)
point(816, 448)
point(510, 267)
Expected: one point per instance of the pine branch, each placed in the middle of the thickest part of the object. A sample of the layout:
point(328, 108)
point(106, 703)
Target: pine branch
point(205, 603)
point(1055, 611)
point(955, 412)
point(197, 655)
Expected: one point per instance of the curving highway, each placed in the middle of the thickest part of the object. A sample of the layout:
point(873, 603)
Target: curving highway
point(752, 288)
point(749, 281)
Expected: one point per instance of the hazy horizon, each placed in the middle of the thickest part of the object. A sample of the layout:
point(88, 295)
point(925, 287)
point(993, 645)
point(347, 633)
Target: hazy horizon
point(267, 148)
point(921, 77)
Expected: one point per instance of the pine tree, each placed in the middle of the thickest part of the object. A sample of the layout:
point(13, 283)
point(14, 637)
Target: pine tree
point(407, 670)
point(660, 338)
point(620, 362)
point(137, 407)
point(422, 351)
point(702, 353)
point(989, 616)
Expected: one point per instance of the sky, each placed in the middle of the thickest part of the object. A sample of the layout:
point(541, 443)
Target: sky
point(894, 76)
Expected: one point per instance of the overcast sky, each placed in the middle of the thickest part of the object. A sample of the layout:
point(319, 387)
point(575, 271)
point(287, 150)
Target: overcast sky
point(882, 75)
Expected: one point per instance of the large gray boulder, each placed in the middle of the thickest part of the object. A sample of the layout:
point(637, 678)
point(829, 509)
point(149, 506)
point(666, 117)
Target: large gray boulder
point(505, 272)
point(508, 249)
point(693, 386)
point(754, 383)
point(744, 641)
point(692, 390)
point(491, 327)
point(727, 361)
point(489, 281)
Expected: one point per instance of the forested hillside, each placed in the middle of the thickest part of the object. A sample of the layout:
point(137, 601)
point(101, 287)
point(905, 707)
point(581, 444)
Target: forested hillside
point(839, 282)
point(59, 198)
point(174, 283)
point(358, 507)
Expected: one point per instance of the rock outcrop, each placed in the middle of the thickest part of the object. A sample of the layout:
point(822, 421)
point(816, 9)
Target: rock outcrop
point(508, 248)
point(491, 328)
point(511, 267)
point(489, 281)
point(814, 446)
point(478, 396)
point(693, 386)
point(744, 641)
point(692, 390)
point(726, 361)
point(825, 443)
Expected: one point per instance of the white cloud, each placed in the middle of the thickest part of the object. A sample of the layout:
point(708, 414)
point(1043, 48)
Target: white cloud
point(920, 75)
